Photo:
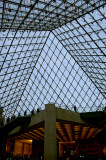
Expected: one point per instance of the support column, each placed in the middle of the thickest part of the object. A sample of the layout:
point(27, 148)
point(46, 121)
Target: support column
point(50, 141)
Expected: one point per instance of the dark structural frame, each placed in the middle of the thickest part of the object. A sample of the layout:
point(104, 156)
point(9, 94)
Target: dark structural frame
point(52, 51)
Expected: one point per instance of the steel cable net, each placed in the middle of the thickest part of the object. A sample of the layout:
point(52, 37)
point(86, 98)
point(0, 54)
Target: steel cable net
point(52, 52)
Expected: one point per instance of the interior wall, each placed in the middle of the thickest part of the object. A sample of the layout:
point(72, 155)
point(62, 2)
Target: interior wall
point(23, 147)
point(104, 150)
point(80, 149)
point(63, 144)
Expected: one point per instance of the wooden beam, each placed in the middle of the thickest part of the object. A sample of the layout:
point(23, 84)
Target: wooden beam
point(87, 133)
point(58, 133)
point(65, 132)
point(35, 133)
point(73, 132)
point(80, 132)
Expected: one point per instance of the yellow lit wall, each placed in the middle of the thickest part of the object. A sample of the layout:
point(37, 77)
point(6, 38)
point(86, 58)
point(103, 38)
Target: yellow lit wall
point(22, 147)
point(104, 150)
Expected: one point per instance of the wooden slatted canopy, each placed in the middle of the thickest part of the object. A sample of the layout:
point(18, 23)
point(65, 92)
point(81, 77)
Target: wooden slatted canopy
point(66, 132)
point(70, 126)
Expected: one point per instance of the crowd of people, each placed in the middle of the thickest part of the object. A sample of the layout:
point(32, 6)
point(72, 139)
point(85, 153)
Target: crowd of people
point(62, 157)
point(19, 157)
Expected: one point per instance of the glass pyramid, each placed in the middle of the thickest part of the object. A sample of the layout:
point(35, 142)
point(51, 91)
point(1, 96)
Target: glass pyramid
point(52, 51)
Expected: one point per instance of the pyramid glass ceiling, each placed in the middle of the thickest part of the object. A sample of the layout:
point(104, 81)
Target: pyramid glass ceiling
point(52, 51)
